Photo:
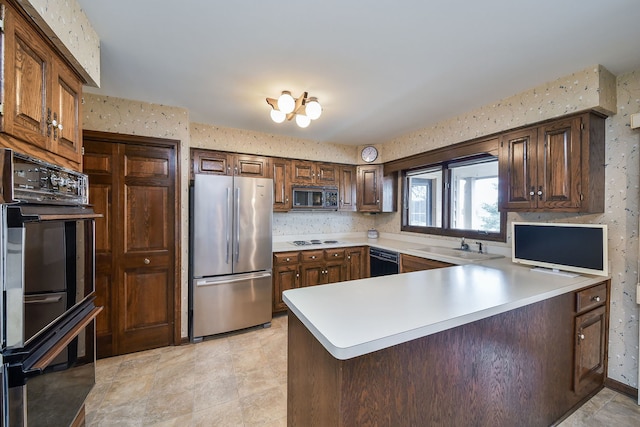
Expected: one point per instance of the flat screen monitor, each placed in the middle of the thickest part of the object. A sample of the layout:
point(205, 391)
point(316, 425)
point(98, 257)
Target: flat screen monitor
point(580, 248)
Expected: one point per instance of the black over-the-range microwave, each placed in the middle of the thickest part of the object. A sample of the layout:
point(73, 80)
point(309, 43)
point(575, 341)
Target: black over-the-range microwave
point(315, 198)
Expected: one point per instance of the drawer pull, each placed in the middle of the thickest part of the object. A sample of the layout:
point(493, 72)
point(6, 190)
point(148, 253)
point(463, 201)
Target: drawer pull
point(313, 257)
point(335, 254)
point(288, 259)
point(596, 298)
point(147, 261)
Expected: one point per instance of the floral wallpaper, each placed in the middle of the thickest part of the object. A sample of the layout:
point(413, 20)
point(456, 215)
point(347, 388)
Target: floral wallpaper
point(593, 88)
point(66, 24)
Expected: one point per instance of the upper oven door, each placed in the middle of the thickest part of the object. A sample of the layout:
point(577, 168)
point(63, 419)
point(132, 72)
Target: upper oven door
point(49, 267)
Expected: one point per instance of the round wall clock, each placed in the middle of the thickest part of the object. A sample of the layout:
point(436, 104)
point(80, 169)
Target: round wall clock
point(369, 154)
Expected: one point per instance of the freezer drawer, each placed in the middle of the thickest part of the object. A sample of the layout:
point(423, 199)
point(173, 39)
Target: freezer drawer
point(228, 303)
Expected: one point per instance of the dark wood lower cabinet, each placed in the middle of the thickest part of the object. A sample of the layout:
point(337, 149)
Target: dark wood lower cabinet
point(316, 267)
point(511, 369)
point(410, 263)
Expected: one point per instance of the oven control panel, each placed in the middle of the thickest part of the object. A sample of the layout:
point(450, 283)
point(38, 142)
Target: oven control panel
point(35, 181)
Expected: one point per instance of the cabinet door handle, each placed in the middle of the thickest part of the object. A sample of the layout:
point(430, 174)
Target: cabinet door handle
point(348, 256)
point(581, 336)
point(596, 298)
point(56, 126)
point(49, 122)
point(533, 191)
point(147, 261)
point(540, 192)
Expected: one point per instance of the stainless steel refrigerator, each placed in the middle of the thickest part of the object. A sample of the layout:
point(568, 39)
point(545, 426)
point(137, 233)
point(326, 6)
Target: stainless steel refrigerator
point(231, 254)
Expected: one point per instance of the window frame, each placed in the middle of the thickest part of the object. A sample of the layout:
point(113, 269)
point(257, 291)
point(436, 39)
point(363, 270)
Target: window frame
point(468, 152)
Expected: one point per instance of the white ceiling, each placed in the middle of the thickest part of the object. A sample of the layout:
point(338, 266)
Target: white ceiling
point(380, 68)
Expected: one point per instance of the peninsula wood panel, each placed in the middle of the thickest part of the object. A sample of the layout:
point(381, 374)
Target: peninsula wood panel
point(482, 373)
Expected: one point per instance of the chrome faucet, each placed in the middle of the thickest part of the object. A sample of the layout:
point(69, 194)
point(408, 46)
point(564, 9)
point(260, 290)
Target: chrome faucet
point(479, 247)
point(463, 245)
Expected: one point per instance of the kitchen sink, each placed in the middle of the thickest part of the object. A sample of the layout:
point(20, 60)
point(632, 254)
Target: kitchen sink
point(466, 255)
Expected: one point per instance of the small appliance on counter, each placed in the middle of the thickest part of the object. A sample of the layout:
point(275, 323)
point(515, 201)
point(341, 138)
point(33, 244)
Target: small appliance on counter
point(372, 234)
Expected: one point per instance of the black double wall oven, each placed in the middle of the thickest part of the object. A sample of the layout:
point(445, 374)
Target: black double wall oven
point(47, 243)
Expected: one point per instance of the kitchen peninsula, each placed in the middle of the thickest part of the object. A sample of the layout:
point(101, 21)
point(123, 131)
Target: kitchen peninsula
point(477, 344)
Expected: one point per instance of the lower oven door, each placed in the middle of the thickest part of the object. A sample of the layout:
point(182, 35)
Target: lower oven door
point(50, 390)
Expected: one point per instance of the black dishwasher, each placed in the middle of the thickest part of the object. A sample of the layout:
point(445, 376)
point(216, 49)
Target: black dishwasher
point(383, 262)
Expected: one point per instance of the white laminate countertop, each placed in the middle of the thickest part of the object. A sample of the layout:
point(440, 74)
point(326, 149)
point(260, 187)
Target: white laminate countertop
point(393, 242)
point(362, 316)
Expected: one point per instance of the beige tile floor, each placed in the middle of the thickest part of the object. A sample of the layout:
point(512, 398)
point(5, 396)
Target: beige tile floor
point(235, 380)
point(241, 380)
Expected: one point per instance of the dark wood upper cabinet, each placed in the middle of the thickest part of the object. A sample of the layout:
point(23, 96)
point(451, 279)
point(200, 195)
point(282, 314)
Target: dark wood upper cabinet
point(41, 99)
point(557, 166)
point(221, 163)
point(327, 174)
point(209, 162)
point(313, 173)
point(375, 192)
point(281, 185)
point(302, 172)
point(347, 188)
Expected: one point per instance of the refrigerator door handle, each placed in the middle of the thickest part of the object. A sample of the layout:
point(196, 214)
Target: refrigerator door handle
point(228, 227)
point(237, 278)
point(237, 221)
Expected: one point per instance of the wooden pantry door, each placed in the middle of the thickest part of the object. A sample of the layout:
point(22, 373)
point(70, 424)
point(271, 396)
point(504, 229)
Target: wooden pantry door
point(133, 182)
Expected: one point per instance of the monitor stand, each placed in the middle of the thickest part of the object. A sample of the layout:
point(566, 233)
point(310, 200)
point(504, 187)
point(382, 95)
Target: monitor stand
point(554, 271)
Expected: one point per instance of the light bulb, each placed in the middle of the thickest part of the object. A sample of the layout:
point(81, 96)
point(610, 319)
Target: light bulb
point(278, 116)
point(302, 121)
point(286, 103)
point(313, 109)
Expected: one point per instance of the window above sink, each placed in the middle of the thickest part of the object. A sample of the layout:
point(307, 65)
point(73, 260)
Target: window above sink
point(455, 196)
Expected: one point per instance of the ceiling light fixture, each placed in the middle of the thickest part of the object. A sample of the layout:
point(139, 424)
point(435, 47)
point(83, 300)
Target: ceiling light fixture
point(304, 108)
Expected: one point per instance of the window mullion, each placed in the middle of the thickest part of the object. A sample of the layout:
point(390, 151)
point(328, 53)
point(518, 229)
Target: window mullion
point(446, 197)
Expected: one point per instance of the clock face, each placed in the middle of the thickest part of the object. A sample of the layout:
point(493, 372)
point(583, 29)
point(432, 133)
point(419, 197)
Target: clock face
point(369, 154)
